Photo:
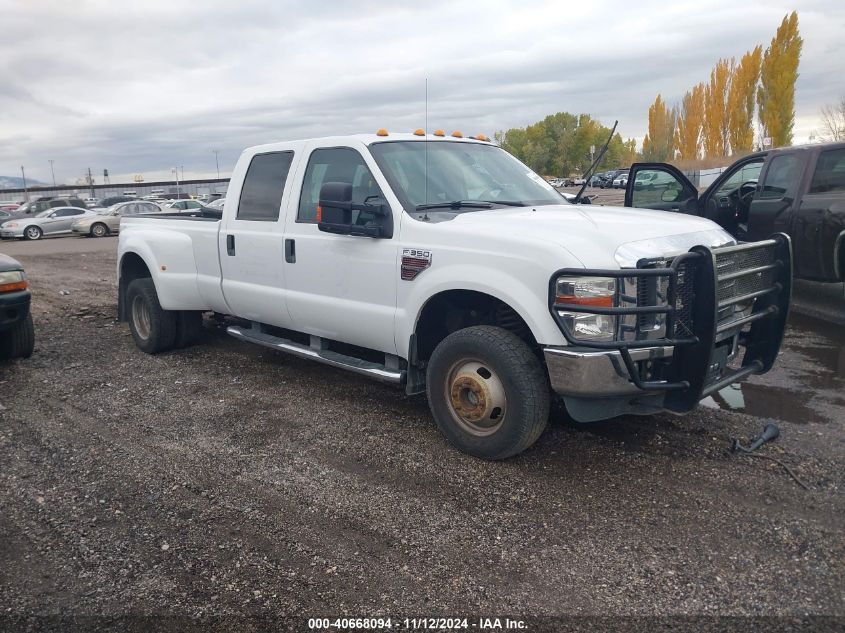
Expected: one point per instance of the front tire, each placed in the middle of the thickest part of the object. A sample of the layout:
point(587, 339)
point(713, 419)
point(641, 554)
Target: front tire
point(99, 230)
point(152, 327)
point(18, 341)
point(33, 233)
point(488, 392)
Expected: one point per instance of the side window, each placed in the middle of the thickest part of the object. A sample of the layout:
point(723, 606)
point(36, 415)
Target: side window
point(779, 177)
point(128, 209)
point(830, 172)
point(339, 164)
point(261, 195)
point(56, 203)
point(655, 186)
point(748, 172)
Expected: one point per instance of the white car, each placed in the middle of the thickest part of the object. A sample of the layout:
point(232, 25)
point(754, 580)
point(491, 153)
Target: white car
point(445, 266)
point(621, 181)
point(55, 221)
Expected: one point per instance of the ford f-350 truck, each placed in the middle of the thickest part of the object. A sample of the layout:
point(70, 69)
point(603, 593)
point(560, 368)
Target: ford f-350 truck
point(443, 264)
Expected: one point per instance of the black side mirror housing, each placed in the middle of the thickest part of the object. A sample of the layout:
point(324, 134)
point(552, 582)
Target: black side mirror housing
point(335, 213)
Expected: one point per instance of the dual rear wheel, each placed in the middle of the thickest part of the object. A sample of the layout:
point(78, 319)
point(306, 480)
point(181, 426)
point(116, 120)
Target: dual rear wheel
point(154, 328)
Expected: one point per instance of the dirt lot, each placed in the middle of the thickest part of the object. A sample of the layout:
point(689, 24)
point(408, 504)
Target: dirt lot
point(229, 480)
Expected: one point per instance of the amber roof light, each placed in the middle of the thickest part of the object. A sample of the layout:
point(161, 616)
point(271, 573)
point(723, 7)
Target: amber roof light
point(439, 133)
point(419, 132)
point(381, 132)
point(457, 134)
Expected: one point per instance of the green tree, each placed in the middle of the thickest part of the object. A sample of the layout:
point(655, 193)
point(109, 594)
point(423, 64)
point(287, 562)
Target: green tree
point(778, 74)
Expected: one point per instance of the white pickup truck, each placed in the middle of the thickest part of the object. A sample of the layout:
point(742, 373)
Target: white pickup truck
point(443, 264)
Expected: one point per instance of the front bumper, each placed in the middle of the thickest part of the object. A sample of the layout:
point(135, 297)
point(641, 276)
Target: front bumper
point(711, 305)
point(580, 372)
point(14, 306)
point(11, 233)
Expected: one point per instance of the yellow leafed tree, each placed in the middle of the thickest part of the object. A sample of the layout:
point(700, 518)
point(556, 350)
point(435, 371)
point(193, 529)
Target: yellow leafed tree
point(716, 110)
point(778, 74)
point(659, 143)
point(741, 101)
point(690, 123)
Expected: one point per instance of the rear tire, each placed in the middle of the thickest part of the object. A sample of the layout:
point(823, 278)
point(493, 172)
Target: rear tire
point(488, 392)
point(19, 341)
point(152, 327)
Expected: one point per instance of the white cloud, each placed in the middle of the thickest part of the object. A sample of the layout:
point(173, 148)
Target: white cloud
point(144, 86)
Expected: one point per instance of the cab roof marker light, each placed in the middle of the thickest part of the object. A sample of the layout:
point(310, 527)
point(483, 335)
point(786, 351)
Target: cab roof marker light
point(381, 132)
point(439, 133)
point(457, 134)
point(482, 137)
point(419, 132)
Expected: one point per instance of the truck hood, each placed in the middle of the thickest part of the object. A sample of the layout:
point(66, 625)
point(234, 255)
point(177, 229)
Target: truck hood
point(600, 236)
point(7, 264)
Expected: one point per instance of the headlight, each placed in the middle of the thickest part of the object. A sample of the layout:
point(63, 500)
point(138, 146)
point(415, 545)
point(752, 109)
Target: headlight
point(12, 280)
point(585, 292)
point(9, 225)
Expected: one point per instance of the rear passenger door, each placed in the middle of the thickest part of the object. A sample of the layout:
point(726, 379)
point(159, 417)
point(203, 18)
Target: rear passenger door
point(251, 240)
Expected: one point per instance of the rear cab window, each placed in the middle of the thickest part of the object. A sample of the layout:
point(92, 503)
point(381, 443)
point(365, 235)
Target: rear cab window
point(264, 185)
point(830, 172)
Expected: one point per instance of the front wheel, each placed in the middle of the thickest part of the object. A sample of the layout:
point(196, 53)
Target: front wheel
point(488, 392)
point(99, 230)
point(33, 233)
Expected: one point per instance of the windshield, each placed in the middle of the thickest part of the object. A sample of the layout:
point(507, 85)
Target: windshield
point(442, 172)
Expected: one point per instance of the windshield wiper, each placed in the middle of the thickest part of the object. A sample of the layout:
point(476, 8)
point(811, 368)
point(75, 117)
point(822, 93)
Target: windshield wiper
point(455, 205)
point(507, 203)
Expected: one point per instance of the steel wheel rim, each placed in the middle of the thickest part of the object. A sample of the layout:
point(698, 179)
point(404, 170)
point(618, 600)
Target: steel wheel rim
point(476, 397)
point(99, 230)
point(141, 317)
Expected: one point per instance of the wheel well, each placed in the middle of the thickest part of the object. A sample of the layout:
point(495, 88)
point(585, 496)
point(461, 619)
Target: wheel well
point(132, 267)
point(453, 310)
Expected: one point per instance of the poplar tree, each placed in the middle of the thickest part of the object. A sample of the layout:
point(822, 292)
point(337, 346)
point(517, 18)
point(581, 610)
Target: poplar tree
point(659, 143)
point(691, 123)
point(778, 74)
point(716, 110)
point(743, 87)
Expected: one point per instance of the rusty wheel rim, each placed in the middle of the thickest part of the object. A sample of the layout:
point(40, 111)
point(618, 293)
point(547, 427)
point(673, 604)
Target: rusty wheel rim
point(476, 397)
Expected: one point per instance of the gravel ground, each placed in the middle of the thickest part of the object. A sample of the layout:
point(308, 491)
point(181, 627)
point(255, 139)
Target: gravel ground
point(230, 480)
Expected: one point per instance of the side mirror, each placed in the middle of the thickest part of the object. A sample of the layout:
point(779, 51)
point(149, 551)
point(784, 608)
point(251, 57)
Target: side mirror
point(335, 213)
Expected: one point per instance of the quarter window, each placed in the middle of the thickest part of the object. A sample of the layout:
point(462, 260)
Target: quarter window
point(779, 177)
point(339, 164)
point(830, 172)
point(261, 196)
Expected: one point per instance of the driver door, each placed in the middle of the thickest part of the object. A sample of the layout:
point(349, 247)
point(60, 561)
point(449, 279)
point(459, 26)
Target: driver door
point(660, 186)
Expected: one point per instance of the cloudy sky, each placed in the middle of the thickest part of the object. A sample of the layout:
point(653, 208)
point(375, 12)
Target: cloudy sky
point(141, 86)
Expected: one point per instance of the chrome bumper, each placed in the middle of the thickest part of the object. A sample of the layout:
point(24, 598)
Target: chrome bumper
point(589, 373)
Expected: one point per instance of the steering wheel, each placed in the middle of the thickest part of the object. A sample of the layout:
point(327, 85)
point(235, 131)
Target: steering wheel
point(745, 193)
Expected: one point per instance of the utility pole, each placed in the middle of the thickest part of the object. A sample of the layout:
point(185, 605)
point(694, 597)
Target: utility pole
point(50, 160)
point(176, 172)
point(90, 183)
point(217, 161)
point(25, 190)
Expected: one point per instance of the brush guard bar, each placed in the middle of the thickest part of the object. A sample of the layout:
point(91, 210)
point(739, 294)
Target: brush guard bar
point(712, 282)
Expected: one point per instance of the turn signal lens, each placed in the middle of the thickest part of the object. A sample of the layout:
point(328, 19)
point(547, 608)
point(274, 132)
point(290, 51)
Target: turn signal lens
point(319, 213)
point(12, 281)
point(600, 302)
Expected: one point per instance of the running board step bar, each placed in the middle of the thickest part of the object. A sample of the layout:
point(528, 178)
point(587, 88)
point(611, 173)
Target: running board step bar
point(328, 357)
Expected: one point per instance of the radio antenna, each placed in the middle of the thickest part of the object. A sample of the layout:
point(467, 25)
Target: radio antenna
point(425, 137)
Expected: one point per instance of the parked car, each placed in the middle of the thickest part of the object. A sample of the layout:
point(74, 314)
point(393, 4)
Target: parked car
point(105, 203)
point(9, 207)
point(184, 205)
point(344, 250)
point(5, 215)
point(50, 222)
point(108, 221)
point(17, 333)
point(577, 182)
point(217, 204)
point(621, 180)
point(41, 204)
point(799, 191)
point(91, 202)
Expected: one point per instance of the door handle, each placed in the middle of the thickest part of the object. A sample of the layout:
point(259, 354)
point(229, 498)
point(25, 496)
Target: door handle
point(290, 251)
point(230, 245)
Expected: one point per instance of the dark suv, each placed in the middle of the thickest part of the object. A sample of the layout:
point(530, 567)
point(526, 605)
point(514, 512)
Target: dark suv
point(17, 335)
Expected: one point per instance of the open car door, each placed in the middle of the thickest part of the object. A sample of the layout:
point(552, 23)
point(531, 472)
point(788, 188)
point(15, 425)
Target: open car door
point(660, 186)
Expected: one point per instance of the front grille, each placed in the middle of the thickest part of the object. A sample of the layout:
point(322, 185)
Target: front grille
point(732, 262)
point(685, 299)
